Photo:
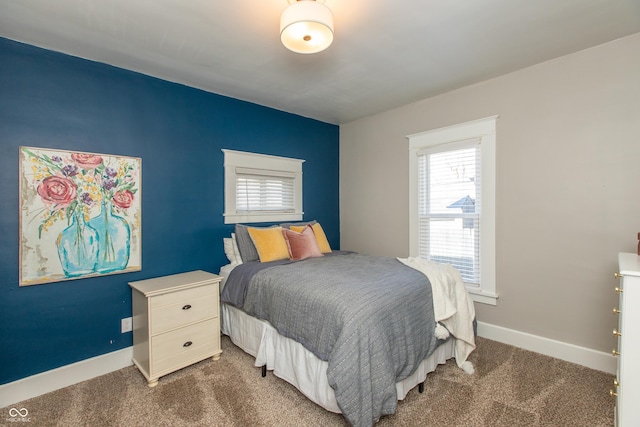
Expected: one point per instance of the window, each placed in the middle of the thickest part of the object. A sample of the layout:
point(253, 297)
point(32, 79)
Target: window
point(452, 189)
point(261, 188)
point(449, 207)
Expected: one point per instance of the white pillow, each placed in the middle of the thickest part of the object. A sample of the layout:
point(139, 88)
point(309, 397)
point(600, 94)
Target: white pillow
point(235, 249)
point(231, 249)
point(228, 249)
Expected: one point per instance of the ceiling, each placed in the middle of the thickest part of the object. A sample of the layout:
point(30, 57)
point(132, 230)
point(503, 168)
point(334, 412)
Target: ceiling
point(386, 53)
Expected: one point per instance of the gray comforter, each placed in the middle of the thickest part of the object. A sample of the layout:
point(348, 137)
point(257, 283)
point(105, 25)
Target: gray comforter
point(371, 318)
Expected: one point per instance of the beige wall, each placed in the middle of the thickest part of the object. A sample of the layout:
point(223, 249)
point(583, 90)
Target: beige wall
point(568, 190)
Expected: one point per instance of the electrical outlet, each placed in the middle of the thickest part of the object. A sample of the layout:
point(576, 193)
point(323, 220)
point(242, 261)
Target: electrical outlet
point(126, 325)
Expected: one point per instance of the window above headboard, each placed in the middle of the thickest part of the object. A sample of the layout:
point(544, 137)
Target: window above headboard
point(261, 188)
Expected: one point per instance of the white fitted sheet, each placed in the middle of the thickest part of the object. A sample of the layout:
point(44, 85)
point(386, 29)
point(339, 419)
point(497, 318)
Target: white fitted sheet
point(292, 362)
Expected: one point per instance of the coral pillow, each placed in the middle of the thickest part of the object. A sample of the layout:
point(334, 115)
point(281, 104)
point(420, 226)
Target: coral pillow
point(321, 238)
point(301, 245)
point(269, 243)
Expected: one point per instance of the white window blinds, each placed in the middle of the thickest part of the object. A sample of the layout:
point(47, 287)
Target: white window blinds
point(259, 190)
point(449, 206)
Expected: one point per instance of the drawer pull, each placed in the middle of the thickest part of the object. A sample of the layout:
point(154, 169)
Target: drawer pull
point(612, 393)
point(617, 333)
point(616, 383)
point(616, 310)
point(618, 290)
point(615, 352)
point(187, 344)
point(617, 275)
point(186, 307)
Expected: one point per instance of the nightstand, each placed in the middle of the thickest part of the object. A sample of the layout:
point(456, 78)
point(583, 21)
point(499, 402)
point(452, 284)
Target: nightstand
point(176, 322)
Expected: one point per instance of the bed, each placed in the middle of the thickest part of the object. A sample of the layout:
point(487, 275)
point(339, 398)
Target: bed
point(354, 333)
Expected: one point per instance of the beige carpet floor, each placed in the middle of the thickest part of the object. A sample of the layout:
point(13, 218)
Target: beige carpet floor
point(511, 387)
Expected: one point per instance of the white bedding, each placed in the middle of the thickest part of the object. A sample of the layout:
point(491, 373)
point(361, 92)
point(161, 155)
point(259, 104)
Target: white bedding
point(295, 364)
point(224, 272)
point(452, 305)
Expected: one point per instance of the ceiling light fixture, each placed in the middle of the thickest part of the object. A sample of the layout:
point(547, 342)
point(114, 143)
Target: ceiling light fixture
point(306, 26)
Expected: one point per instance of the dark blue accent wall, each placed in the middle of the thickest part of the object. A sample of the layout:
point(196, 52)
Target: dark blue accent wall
point(52, 100)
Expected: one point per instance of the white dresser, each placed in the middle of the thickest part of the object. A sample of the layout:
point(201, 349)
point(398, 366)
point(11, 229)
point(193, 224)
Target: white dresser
point(627, 383)
point(176, 322)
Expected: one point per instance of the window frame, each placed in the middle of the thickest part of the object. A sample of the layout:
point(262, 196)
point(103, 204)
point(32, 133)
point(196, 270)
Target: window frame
point(485, 131)
point(241, 160)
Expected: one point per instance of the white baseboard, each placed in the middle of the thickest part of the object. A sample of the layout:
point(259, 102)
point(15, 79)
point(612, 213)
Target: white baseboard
point(74, 373)
point(64, 376)
point(593, 359)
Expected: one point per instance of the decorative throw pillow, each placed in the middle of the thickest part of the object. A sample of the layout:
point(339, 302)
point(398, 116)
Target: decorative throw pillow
point(302, 245)
point(323, 243)
point(300, 225)
point(269, 243)
point(246, 247)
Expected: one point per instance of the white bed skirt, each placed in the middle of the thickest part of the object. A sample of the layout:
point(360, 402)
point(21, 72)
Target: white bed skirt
point(295, 364)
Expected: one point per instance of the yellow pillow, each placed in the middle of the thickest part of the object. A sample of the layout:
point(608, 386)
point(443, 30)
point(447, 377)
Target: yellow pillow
point(269, 243)
point(323, 243)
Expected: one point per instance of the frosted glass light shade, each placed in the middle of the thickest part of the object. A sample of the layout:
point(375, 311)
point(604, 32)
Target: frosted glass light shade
point(306, 27)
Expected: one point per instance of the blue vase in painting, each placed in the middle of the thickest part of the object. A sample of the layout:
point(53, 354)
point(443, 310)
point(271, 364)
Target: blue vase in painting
point(78, 247)
point(114, 240)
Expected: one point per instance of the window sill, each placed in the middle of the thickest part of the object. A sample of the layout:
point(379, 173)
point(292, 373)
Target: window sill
point(266, 217)
point(478, 295)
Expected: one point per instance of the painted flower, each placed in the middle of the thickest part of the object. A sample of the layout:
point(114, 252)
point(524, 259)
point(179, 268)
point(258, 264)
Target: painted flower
point(86, 161)
point(109, 184)
point(86, 199)
point(110, 172)
point(123, 199)
point(70, 170)
point(57, 191)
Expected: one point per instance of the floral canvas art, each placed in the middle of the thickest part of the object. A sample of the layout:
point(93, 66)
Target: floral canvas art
point(80, 215)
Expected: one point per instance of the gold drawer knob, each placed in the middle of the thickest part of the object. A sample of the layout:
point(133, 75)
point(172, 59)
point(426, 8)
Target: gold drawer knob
point(616, 383)
point(618, 290)
point(612, 393)
point(615, 352)
point(616, 310)
point(617, 333)
point(617, 275)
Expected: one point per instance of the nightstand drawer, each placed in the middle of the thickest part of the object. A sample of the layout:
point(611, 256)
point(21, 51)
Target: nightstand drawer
point(183, 312)
point(184, 296)
point(184, 346)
